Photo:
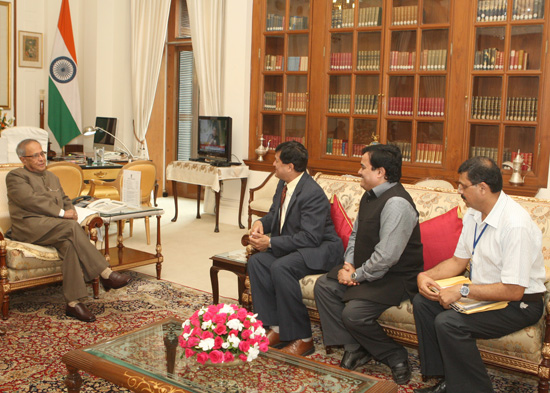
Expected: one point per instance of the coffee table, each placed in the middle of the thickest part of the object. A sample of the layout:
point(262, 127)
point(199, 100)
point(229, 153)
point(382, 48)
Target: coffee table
point(148, 360)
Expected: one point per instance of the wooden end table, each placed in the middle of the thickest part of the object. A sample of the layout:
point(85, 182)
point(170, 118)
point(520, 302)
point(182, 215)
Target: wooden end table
point(236, 262)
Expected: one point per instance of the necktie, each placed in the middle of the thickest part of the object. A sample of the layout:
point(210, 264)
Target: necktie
point(283, 196)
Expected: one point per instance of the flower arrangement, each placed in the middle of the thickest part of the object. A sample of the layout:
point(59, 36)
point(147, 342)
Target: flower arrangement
point(223, 333)
point(4, 121)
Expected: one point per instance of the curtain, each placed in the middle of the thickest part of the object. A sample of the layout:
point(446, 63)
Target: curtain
point(206, 20)
point(149, 20)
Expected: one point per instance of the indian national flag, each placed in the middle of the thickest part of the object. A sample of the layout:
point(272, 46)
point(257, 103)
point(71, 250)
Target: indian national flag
point(64, 117)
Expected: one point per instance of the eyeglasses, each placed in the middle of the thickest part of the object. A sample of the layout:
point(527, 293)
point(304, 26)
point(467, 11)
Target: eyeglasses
point(36, 156)
point(463, 187)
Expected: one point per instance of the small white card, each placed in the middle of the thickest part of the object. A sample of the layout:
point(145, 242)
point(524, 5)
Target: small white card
point(131, 188)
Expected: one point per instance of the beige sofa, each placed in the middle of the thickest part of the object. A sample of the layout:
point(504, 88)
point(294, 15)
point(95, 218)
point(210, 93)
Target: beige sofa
point(526, 351)
point(25, 265)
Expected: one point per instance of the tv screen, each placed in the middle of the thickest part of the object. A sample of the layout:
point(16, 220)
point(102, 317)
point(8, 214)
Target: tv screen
point(102, 139)
point(214, 139)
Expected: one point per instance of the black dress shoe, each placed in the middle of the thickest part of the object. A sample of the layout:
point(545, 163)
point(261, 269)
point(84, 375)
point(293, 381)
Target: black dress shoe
point(116, 280)
point(80, 312)
point(401, 373)
point(353, 359)
point(441, 387)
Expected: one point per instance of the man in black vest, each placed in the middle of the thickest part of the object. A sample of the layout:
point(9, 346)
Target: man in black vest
point(383, 258)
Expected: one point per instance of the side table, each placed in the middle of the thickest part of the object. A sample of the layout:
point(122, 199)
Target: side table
point(204, 174)
point(236, 262)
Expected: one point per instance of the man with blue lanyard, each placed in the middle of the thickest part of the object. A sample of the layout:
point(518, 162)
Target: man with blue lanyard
point(504, 248)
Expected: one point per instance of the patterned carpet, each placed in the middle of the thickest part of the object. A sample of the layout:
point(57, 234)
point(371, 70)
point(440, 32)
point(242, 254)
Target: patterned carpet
point(39, 333)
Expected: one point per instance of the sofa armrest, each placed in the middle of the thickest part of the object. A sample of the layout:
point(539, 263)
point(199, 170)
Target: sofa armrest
point(91, 225)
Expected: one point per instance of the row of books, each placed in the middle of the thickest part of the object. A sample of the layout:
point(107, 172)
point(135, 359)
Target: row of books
point(337, 147)
point(491, 10)
point(342, 18)
point(368, 60)
point(518, 59)
point(273, 101)
point(339, 103)
point(296, 102)
point(357, 150)
point(489, 59)
point(298, 23)
point(429, 153)
point(275, 22)
point(405, 148)
point(370, 16)
point(527, 159)
point(297, 63)
point(274, 62)
point(431, 106)
point(275, 140)
point(486, 108)
point(521, 108)
point(402, 60)
point(491, 152)
point(433, 60)
point(407, 15)
point(366, 104)
point(340, 61)
point(400, 106)
point(528, 9)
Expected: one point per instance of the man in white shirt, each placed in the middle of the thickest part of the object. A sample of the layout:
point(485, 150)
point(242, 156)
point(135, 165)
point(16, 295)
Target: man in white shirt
point(504, 248)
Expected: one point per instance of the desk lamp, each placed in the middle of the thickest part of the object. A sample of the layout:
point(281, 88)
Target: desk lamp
point(92, 130)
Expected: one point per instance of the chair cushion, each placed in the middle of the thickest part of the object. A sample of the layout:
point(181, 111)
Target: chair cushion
point(22, 267)
point(262, 204)
point(342, 223)
point(32, 251)
point(440, 237)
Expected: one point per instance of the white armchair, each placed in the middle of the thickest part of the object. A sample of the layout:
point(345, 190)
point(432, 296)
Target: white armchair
point(10, 138)
point(261, 198)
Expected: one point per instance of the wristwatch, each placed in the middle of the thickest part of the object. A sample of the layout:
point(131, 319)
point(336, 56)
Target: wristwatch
point(353, 276)
point(465, 290)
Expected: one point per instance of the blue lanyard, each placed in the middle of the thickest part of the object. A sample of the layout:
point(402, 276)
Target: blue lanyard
point(476, 240)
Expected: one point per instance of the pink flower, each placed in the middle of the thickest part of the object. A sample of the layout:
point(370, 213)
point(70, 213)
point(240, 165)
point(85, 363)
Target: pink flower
point(207, 316)
point(202, 357)
point(218, 341)
point(182, 341)
point(244, 346)
point(263, 347)
point(231, 317)
point(220, 329)
point(241, 314)
point(234, 332)
point(187, 329)
point(219, 318)
point(246, 323)
point(245, 335)
point(189, 352)
point(228, 357)
point(195, 321)
point(213, 309)
point(242, 356)
point(192, 341)
point(207, 334)
point(197, 331)
point(216, 356)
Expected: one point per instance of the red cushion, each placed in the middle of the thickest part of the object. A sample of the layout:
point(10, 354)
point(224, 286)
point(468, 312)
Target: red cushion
point(439, 237)
point(342, 223)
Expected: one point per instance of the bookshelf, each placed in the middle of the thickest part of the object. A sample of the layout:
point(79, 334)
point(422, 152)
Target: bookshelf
point(442, 79)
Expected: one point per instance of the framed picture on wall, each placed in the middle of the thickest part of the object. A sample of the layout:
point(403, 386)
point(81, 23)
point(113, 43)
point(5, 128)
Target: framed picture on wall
point(30, 49)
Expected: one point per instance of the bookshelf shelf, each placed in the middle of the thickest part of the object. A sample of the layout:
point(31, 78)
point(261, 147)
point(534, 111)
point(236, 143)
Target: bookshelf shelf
point(411, 73)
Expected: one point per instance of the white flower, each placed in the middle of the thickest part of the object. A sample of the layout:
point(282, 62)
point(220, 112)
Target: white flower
point(186, 323)
point(234, 340)
point(206, 325)
point(226, 309)
point(253, 353)
point(225, 345)
point(235, 324)
point(207, 344)
point(186, 335)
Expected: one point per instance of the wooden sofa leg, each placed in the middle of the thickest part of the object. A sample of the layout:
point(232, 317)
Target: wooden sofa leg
point(95, 286)
point(544, 366)
point(5, 306)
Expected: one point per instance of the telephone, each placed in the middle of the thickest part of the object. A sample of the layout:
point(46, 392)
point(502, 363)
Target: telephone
point(106, 205)
point(112, 155)
point(82, 201)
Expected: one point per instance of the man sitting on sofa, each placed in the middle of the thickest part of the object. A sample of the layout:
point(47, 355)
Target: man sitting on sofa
point(303, 241)
point(383, 258)
point(504, 248)
point(42, 214)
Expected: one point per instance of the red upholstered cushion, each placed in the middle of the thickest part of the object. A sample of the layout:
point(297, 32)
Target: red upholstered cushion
point(439, 237)
point(342, 223)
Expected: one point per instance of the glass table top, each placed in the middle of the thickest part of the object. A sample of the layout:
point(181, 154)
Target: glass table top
point(133, 210)
point(154, 351)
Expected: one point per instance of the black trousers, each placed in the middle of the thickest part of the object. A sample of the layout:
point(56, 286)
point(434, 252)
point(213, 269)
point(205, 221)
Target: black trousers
point(355, 322)
point(276, 293)
point(447, 340)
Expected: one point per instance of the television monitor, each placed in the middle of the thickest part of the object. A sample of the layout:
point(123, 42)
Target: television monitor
point(102, 139)
point(214, 141)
